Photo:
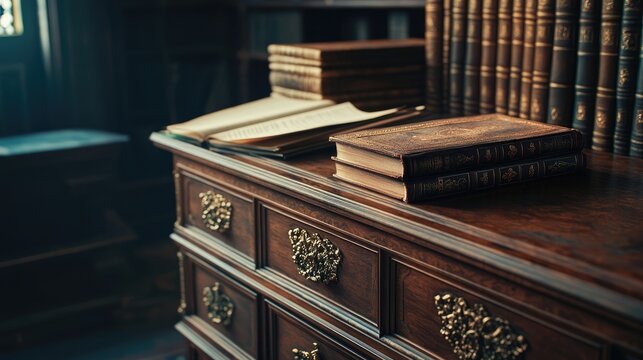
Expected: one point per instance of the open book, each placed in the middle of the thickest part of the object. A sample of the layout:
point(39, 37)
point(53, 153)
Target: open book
point(280, 126)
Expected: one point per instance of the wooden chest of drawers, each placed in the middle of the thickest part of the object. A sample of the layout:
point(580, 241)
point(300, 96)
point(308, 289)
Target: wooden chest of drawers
point(278, 260)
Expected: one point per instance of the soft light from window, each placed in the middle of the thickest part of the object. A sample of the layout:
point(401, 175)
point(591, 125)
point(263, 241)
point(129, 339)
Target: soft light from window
point(10, 18)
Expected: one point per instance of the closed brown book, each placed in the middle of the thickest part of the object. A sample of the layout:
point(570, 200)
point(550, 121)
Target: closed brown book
point(410, 92)
point(433, 35)
point(563, 63)
point(446, 52)
point(504, 55)
point(339, 85)
point(472, 58)
point(527, 58)
point(318, 72)
point(605, 114)
point(542, 60)
point(346, 52)
point(636, 140)
point(441, 185)
point(458, 50)
point(448, 145)
point(488, 56)
point(517, 43)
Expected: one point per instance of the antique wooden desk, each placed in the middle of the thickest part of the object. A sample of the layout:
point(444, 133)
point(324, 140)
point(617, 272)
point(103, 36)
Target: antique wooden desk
point(279, 260)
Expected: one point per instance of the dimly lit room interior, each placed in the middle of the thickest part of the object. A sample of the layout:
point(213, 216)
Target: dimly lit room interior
point(321, 179)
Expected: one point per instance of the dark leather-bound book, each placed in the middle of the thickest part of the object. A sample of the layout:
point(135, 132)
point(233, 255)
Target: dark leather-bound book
point(527, 58)
point(517, 35)
point(448, 145)
point(563, 63)
point(436, 186)
point(636, 141)
point(605, 114)
point(542, 60)
point(503, 55)
point(446, 51)
point(626, 81)
point(488, 56)
point(472, 58)
point(434, 35)
point(458, 51)
point(586, 66)
point(342, 85)
point(350, 52)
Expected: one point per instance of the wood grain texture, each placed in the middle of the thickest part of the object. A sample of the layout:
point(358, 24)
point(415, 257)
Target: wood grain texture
point(559, 258)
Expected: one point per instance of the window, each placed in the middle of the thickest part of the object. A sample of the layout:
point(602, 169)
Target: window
point(10, 18)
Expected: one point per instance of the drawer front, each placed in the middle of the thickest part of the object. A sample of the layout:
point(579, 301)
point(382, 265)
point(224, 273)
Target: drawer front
point(337, 268)
point(289, 336)
point(228, 307)
point(458, 322)
point(222, 214)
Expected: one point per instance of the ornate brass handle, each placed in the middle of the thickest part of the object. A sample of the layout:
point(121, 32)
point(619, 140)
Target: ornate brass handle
point(306, 355)
point(218, 305)
point(216, 211)
point(317, 259)
point(474, 334)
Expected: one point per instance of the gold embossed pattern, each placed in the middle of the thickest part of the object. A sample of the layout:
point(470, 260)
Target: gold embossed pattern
point(317, 259)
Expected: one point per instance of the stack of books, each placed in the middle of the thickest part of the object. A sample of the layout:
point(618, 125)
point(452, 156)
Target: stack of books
point(570, 63)
point(443, 157)
point(371, 74)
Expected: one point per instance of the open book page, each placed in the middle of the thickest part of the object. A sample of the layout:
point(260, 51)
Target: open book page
point(344, 113)
point(253, 112)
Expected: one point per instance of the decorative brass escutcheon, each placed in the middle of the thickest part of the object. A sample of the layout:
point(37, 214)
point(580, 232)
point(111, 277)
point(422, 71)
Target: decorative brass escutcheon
point(218, 304)
point(317, 258)
point(474, 334)
point(216, 211)
point(306, 355)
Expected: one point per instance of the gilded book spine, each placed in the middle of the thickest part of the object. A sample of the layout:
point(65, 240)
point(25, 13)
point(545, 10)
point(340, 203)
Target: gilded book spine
point(527, 58)
point(472, 58)
point(504, 55)
point(446, 52)
point(636, 142)
point(563, 63)
point(586, 74)
point(488, 56)
point(626, 80)
point(490, 155)
point(542, 60)
point(458, 50)
point(605, 115)
point(438, 186)
point(433, 35)
point(517, 37)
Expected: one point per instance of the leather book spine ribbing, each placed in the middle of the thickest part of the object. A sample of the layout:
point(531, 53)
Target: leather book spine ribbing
point(563, 63)
point(503, 56)
point(586, 65)
point(542, 60)
point(458, 50)
point(488, 178)
point(446, 51)
point(477, 157)
point(433, 35)
point(488, 56)
point(605, 114)
point(472, 58)
point(625, 82)
point(636, 141)
point(527, 58)
point(517, 34)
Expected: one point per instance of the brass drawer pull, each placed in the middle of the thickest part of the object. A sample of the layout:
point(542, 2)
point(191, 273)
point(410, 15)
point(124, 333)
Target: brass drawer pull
point(218, 304)
point(306, 355)
point(474, 334)
point(317, 258)
point(216, 211)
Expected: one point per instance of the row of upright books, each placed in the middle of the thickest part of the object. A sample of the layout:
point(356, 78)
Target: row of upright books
point(375, 74)
point(565, 62)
